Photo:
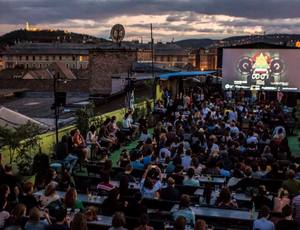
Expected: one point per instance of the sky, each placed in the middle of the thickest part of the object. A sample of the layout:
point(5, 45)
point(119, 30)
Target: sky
point(171, 19)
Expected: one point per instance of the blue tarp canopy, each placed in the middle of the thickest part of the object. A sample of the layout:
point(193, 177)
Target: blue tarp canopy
point(184, 74)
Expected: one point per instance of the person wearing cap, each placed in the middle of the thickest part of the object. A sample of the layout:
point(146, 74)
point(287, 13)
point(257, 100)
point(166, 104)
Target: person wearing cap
point(170, 192)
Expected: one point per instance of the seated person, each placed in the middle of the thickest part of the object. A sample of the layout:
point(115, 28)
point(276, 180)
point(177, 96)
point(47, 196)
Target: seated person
point(190, 180)
point(261, 199)
point(61, 221)
point(170, 192)
point(185, 211)
point(125, 179)
point(63, 153)
point(27, 198)
point(287, 222)
point(281, 200)
point(224, 200)
point(124, 159)
point(113, 203)
point(263, 222)
point(49, 195)
point(291, 184)
point(151, 182)
point(35, 221)
point(80, 145)
point(71, 200)
point(105, 186)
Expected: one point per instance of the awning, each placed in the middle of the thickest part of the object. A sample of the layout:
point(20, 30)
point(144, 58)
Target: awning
point(185, 74)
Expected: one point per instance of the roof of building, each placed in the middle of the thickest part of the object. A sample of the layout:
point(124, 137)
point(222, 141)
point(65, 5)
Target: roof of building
point(13, 119)
point(185, 74)
point(65, 73)
point(83, 49)
point(49, 48)
point(38, 75)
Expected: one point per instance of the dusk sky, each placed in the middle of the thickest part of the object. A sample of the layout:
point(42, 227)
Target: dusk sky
point(176, 19)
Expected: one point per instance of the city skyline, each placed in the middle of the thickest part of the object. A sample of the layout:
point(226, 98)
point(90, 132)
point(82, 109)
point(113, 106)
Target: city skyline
point(181, 19)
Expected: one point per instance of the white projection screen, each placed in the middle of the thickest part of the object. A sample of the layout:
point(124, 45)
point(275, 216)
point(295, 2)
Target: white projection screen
point(261, 69)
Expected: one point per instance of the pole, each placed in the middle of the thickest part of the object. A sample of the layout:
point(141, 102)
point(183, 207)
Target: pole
point(152, 64)
point(56, 108)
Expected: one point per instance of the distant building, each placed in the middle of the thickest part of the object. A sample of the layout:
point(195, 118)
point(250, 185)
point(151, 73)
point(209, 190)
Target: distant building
point(171, 54)
point(42, 55)
point(207, 59)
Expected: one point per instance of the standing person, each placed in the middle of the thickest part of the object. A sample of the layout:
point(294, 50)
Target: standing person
point(170, 192)
point(263, 223)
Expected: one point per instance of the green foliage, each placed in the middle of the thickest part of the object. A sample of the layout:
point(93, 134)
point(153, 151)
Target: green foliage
point(23, 141)
point(82, 118)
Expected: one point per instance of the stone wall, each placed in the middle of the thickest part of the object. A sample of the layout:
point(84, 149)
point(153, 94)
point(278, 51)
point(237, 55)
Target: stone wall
point(105, 62)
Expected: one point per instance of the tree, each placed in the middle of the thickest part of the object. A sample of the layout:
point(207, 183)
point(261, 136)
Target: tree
point(10, 138)
point(82, 118)
point(20, 139)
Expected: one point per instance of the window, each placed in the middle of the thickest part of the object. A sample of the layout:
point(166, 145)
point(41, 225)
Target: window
point(179, 58)
point(73, 58)
point(47, 58)
point(27, 58)
point(20, 58)
point(60, 57)
point(33, 58)
point(53, 57)
point(41, 57)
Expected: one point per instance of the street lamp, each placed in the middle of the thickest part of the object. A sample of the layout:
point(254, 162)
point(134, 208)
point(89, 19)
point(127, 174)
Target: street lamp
point(59, 99)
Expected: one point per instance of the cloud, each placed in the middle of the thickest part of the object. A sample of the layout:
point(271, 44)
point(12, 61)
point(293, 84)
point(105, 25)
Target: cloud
point(179, 18)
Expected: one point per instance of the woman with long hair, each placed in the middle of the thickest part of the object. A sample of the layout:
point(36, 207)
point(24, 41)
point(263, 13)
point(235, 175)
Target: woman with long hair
point(71, 200)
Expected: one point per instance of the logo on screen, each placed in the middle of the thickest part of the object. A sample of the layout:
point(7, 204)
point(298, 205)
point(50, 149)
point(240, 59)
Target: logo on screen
point(261, 67)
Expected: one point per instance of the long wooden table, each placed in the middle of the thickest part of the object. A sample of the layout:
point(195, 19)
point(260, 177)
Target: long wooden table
point(242, 216)
point(84, 198)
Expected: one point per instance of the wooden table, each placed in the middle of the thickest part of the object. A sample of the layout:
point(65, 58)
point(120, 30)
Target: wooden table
point(219, 213)
point(84, 198)
point(212, 180)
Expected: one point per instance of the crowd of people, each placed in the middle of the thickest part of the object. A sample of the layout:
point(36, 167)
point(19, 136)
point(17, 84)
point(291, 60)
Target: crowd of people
point(197, 133)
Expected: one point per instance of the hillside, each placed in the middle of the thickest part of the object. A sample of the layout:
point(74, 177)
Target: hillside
point(280, 39)
point(46, 36)
point(195, 43)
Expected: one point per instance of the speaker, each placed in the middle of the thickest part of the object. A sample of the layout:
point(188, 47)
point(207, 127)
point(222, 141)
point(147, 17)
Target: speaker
point(60, 98)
